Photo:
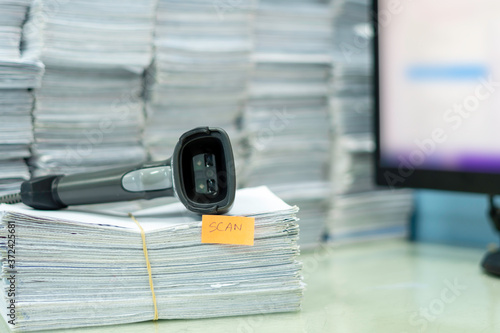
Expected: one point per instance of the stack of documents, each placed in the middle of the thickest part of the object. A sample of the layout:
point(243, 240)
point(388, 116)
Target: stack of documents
point(19, 72)
point(313, 199)
point(287, 116)
point(294, 30)
point(89, 112)
point(75, 269)
point(352, 31)
point(200, 71)
point(11, 26)
point(87, 120)
point(15, 137)
point(289, 152)
point(359, 210)
point(98, 33)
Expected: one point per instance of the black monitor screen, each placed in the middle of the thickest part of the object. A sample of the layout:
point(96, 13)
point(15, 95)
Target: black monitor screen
point(437, 91)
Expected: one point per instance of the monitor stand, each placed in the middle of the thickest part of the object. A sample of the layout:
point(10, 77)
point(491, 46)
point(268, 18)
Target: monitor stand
point(491, 261)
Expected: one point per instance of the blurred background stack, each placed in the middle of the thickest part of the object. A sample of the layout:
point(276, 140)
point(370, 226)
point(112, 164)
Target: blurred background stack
point(288, 80)
point(286, 117)
point(20, 72)
point(200, 71)
point(89, 112)
point(358, 211)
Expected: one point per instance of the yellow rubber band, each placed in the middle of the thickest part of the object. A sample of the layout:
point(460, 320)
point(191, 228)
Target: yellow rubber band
point(148, 264)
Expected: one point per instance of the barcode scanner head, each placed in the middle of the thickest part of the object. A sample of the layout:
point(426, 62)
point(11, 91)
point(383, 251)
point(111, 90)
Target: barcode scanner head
point(203, 170)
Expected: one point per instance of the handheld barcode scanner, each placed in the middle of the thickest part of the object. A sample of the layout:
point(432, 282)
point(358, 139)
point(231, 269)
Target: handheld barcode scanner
point(200, 173)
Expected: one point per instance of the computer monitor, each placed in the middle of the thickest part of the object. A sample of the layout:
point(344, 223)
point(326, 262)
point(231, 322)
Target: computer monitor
point(437, 94)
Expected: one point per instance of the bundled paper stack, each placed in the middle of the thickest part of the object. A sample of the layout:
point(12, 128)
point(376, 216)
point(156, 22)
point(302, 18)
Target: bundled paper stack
point(89, 112)
point(287, 116)
point(295, 29)
point(359, 210)
point(352, 32)
point(87, 120)
point(15, 137)
point(200, 71)
point(77, 269)
point(19, 72)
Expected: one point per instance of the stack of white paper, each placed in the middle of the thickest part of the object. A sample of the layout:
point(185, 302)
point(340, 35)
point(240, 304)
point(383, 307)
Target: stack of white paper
point(352, 32)
point(15, 137)
point(87, 120)
point(19, 72)
point(11, 26)
point(287, 116)
point(89, 112)
point(359, 210)
point(77, 269)
point(200, 71)
point(98, 33)
point(313, 198)
point(293, 31)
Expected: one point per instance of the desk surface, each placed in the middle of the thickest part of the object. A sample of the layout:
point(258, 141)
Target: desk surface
point(391, 286)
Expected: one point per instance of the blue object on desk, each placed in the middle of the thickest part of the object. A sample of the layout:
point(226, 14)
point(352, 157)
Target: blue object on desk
point(453, 218)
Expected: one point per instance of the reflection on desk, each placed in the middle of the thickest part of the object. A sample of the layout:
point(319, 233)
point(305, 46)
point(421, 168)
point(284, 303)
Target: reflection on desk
point(392, 286)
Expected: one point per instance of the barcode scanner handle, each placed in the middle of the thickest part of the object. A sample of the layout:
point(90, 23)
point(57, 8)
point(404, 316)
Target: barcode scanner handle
point(121, 184)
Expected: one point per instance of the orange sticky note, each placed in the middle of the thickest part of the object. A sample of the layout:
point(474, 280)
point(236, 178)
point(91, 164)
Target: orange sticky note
point(222, 229)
